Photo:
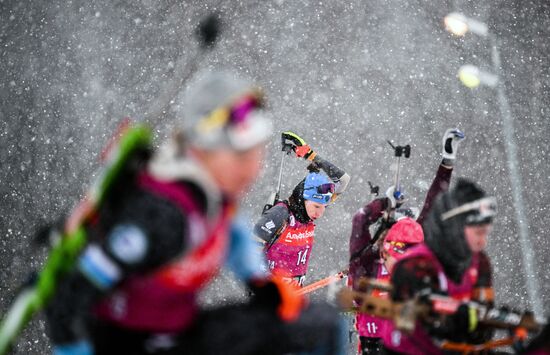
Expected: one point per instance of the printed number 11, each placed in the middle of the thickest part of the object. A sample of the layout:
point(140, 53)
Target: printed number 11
point(302, 257)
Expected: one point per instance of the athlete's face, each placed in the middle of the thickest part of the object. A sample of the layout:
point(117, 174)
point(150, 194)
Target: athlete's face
point(233, 171)
point(389, 261)
point(476, 236)
point(314, 209)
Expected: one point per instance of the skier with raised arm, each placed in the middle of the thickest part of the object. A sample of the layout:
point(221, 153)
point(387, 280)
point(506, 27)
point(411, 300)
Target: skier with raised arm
point(382, 230)
point(451, 262)
point(165, 233)
point(288, 228)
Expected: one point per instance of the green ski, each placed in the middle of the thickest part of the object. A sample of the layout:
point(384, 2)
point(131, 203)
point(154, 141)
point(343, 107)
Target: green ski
point(31, 299)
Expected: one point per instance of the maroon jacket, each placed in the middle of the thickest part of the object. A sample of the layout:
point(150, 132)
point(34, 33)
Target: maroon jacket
point(420, 270)
point(363, 261)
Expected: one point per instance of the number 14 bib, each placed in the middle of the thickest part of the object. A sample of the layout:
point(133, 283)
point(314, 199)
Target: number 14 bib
point(290, 253)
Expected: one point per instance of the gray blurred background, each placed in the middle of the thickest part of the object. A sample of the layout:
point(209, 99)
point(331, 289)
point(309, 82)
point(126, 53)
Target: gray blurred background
point(346, 75)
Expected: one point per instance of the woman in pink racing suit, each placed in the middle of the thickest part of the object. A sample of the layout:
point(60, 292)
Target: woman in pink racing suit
point(287, 230)
point(366, 259)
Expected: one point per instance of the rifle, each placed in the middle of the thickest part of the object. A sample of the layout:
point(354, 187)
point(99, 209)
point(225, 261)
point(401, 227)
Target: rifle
point(428, 307)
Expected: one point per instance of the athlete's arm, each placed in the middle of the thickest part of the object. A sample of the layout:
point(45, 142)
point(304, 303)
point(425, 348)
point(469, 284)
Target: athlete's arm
point(244, 258)
point(411, 276)
point(440, 184)
point(363, 257)
point(451, 141)
point(337, 175)
point(362, 220)
point(147, 233)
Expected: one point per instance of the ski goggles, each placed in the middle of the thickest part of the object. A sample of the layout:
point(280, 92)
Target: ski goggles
point(234, 114)
point(313, 194)
point(323, 189)
point(320, 194)
point(239, 126)
point(242, 108)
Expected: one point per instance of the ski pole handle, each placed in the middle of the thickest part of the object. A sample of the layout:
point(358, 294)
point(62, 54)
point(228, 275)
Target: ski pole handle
point(287, 144)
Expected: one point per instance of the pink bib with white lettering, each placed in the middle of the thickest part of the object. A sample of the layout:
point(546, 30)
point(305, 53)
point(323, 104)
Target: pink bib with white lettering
point(290, 252)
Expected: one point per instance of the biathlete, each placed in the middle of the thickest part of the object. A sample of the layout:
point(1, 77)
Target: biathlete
point(382, 231)
point(164, 233)
point(287, 230)
point(450, 262)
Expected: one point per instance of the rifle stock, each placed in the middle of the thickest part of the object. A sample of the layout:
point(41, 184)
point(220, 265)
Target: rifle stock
point(405, 314)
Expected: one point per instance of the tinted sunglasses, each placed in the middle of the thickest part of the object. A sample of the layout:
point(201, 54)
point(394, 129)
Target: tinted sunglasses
point(233, 114)
point(240, 110)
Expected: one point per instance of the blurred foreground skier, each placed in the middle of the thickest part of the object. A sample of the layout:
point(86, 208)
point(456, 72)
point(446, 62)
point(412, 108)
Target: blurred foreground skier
point(393, 231)
point(288, 228)
point(165, 234)
point(450, 262)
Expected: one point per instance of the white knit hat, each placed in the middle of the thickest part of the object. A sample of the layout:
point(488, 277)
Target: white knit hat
point(208, 112)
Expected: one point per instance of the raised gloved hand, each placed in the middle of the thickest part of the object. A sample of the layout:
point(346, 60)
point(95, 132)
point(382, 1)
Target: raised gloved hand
point(82, 347)
point(281, 296)
point(292, 141)
point(396, 198)
point(451, 140)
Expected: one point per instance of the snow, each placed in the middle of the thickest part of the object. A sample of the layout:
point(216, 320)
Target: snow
point(346, 75)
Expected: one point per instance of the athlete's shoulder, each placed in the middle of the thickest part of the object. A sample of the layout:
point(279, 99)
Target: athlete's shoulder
point(278, 213)
point(271, 221)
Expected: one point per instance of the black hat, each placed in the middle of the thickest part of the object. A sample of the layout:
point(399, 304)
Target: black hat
point(465, 204)
point(472, 203)
point(296, 203)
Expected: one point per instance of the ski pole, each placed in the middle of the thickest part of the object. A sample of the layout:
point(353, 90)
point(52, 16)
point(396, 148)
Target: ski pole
point(287, 149)
point(465, 348)
point(398, 152)
point(277, 194)
point(322, 283)
point(274, 197)
point(397, 174)
point(207, 34)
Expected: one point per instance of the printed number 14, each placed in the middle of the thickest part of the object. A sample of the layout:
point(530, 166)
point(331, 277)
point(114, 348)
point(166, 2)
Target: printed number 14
point(302, 257)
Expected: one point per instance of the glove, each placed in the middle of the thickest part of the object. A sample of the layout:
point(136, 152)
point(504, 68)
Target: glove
point(465, 319)
point(451, 140)
point(397, 198)
point(279, 295)
point(292, 141)
point(82, 347)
